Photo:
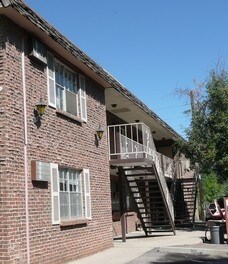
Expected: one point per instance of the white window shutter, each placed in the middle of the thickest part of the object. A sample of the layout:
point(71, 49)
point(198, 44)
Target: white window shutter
point(87, 194)
point(55, 194)
point(51, 80)
point(82, 98)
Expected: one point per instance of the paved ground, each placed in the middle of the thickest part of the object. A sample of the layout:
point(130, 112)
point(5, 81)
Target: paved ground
point(186, 247)
point(154, 256)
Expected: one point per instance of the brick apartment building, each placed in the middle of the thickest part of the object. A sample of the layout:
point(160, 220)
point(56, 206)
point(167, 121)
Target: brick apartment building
point(56, 200)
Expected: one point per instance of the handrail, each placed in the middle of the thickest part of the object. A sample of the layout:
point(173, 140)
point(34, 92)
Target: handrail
point(132, 141)
point(163, 183)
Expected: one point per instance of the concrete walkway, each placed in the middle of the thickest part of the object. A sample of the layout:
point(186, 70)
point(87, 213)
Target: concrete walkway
point(137, 244)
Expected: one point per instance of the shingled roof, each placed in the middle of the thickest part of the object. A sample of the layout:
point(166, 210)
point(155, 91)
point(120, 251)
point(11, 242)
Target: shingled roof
point(43, 25)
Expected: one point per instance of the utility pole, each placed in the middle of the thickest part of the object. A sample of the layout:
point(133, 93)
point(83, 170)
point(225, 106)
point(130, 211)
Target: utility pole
point(192, 99)
point(199, 188)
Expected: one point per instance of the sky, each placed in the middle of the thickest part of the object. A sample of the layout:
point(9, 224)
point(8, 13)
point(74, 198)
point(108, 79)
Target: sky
point(153, 47)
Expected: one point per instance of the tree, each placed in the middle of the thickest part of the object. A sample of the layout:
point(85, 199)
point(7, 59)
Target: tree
point(212, 188)
point(207, 135)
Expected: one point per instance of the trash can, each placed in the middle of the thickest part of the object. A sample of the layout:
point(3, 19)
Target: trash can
point(217, 235)
point(221, 234)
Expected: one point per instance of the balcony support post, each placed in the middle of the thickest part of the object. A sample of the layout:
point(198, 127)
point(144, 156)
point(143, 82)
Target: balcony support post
point(122, 204)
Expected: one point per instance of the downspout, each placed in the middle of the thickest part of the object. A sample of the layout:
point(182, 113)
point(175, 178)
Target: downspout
point(25, 152)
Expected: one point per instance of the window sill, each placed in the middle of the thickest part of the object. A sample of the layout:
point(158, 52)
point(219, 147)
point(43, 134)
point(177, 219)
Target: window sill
point(64, 113)
point(74, 222)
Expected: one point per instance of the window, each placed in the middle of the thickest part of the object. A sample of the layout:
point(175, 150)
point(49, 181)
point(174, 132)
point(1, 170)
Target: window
point(66, 89)
point(38, 50)
point(70, 194)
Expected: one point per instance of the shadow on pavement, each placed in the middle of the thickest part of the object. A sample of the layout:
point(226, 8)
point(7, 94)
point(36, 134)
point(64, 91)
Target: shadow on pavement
point(153, 256)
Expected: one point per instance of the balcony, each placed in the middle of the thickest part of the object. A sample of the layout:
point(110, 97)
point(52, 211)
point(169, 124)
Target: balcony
point(132, 145)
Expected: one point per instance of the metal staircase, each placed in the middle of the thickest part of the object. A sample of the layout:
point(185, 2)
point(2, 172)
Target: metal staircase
point(185, 200)
point(154, 210)
point(132, 149)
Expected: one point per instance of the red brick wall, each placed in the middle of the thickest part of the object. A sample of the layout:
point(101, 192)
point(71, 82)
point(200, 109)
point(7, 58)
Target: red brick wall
point(59, 140)
point(3, 151)
point(131, 222)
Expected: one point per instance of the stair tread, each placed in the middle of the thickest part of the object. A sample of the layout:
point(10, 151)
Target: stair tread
point(186, 179)
point(143, 191)
point(150, 197)
point(140, 180)
point(139, 174)
point(138, 168)
point(150, 201)
point(157, 222)
point(162, 230)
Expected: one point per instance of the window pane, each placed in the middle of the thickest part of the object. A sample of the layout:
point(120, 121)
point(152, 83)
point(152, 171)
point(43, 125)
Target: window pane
point(51, 91)
point(59, 97)
point(71, 103)
point(64, 205)
point(70, 82)
point(75, 84)
point(70, 182)
point(65, 79)
point(76, 205)
point(50, 66)
point(61, 181)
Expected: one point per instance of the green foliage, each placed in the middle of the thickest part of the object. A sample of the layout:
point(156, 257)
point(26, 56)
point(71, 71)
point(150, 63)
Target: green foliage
point(212, 188)
point(207, 135)
point(225, 189)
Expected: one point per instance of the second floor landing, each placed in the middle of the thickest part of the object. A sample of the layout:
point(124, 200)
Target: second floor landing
point(133, 145)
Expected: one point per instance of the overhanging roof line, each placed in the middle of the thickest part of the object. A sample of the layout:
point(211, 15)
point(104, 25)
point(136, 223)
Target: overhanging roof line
point(5, 3)
point(43, 25)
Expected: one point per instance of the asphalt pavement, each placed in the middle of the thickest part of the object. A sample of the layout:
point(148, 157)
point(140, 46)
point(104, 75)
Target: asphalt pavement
point(185, 247)
point(155, 256)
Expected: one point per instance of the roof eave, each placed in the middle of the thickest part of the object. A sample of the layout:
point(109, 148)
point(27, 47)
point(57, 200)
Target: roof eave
point(109, 80)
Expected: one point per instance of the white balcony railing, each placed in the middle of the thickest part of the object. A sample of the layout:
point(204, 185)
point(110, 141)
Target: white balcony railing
point(134, 141)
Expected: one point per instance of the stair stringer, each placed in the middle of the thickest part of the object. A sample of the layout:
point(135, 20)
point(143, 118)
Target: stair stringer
point(165, 195)
point(133, 188)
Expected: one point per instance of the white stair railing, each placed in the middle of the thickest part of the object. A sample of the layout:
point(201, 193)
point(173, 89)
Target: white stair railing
point(132, 141)
point(157, 162)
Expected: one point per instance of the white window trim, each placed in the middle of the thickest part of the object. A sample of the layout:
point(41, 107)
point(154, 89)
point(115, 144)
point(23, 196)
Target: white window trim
point(48, 83)
point(81, 89)
point(87, 195)
point(54, 194)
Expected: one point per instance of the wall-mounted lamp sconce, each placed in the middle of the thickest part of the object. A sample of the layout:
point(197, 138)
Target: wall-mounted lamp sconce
point(100, 132)
point(39, 111)
point(114, 105)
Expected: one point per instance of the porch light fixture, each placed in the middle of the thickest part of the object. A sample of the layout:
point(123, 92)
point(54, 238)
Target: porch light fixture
point(100, 132)
point(39, 111)
point(114, 105)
